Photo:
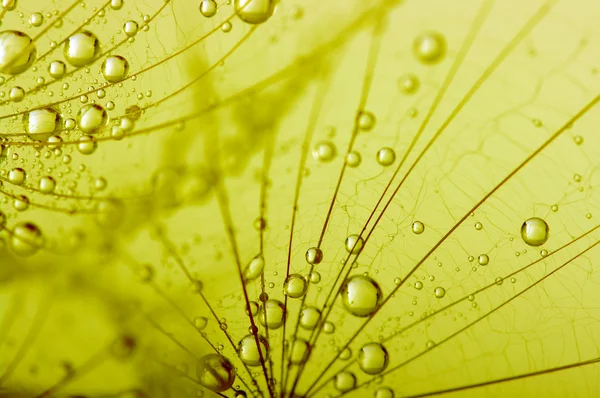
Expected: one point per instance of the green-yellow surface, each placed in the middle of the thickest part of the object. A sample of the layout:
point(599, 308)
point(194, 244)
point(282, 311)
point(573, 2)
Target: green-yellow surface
point(443, 156)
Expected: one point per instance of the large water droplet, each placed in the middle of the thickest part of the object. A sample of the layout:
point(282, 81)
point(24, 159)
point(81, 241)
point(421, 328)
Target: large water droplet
point(295, 286)
point(254, 11)
point(373, 358)
point(208, 8)
point(354, 244)
point(17, 52)
point(115, 68)
point(361, 295)
point(254, 268)
point(386, 156)
point(26, 239)
point(430, 47)
point(314, 255)
point(215, 372)
point(300, 351)
point(535, 231)
point(309, 317)
point(275, 311)
point(248, 351)
point(81, 48)
point(344, 381)
point(91, 117)
point(41, 123)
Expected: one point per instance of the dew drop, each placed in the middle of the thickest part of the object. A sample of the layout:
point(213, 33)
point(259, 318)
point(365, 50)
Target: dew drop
point(47, 184)
point(16, 176)
point(535, 231)
point(384, 392)
point(418, 227)
point(309, 317)
point(361, 295)
point(36, 19)
point(408, 84)
point(418, 285)
point(215, 372)
point(373, 358)
point(87, 145)
point(366, 121)
point(254, 268)
point(26, 239)
point(483, 259)
point(254, 11)
point(17, 52)
point(344, 381)
point(81, 49)
point(116, 4)
point(41, 123)
point(314, 255)
point(328, 327)
point(208, 8)
point(130, 28)
point(300, 351)
point(248, 351)
point(439, 292)
point(386, 156)
point(354, 244)
point(429, 47)
point(16, 94)
point(91, 117)
point(295, 286)
point(115, 68)
point(57, 69)
point(353, 159)
point(275, 311)
point(324, 151)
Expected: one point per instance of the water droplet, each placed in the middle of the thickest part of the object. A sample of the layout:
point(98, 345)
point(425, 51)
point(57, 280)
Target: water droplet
point(478, 226)
point(16, 94)
point(47, 184)
point(408, 84)
point(578, 139)
point(315, 277)
point(295, 286)
point(430, 47)
point(314, 255)
point(354, 244)
point(130, 28)
point(418, 285)
point(248, 350)
point(200, 322)
point(418, 227)
point(439, 292)
point(215, 372)
point(16, 176)
point(483, 259)
point(254, 268)
point(57, 69)
point(26, 239)
point(300, 351)
point(309, 317)
point(373, 358)
point(82, 48)
point(17, 52)
point(361, 295)
point(208, 8)
point(86, 145)
point(41, 123)
point(535, 231)
point(275, 311)
point(386, 156)
point(115, 68)
point(384, 392)
point(344, 381)
point(353, 159)
point(36, 19)
point(328, 327)
point(254, 11)
point(324, 151)
point(366, 121)
point(91, 117)
point(116, 4)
